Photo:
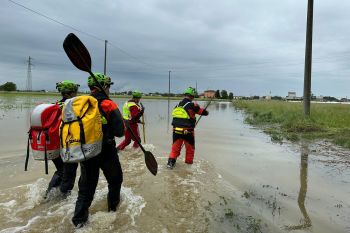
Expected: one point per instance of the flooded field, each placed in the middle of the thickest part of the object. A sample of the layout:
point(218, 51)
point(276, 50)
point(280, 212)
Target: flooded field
point(240, 181)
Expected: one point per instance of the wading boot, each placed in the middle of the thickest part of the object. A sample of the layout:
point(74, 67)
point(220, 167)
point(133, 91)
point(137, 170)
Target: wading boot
point(171, 163)
point(113, 204)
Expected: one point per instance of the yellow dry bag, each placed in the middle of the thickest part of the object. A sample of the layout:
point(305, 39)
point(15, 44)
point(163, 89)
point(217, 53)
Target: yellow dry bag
point(81, 129)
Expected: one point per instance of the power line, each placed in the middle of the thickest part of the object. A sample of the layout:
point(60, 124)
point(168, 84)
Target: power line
point(78, 30)
point(56, 21)
point(137, 59)
point(192, 69)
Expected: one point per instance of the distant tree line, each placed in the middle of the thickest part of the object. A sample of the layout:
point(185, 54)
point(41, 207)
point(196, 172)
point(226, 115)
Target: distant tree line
point(166, 94)
point(9, 86)
point(330, 98)
point(223, 95)
point(148, 94)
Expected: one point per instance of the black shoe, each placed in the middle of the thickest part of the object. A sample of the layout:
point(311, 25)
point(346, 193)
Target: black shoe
point(171, 163)
point(46, 194)
point(80, 225)
point(113, 206)
point(64, 195)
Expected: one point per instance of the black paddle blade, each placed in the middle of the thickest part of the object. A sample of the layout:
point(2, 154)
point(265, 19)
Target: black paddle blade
point(151, 162)
point(77, 52)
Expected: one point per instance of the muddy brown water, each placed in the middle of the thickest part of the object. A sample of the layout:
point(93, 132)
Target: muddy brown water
point(240, 181)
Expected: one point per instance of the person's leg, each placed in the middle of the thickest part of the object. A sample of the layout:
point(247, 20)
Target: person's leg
point(190, 148)
point(112, 170)
point(175, 149)
point(126, 140)
point(87, 186)
point(57, 176)
point(135, 130)
point(68, 177)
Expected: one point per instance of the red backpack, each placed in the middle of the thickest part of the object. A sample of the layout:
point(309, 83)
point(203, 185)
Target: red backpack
point(43, 135)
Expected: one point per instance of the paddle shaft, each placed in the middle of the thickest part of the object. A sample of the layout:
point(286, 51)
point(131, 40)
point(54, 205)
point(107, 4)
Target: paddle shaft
point(104, 92)
point(203, 111)
point(143, 129)
point(80, 57)
point(199, 118)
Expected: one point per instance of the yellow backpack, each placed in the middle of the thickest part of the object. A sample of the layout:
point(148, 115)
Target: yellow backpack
point(180, 112)
point(81, 129)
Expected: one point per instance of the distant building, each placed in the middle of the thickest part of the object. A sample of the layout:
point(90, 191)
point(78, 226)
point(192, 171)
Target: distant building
point(209, 94)
point(291, 95)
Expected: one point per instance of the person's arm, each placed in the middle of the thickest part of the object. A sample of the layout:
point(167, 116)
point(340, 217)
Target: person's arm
point(199, 110)
point(135, 114)
point(117, 123)
point(114, 117)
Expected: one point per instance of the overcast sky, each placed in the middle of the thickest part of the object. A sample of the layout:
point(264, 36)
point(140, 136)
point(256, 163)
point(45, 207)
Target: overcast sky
point(248, 47)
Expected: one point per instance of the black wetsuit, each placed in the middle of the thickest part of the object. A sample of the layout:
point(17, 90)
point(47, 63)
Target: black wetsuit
point(65, 173)
point(107, 160)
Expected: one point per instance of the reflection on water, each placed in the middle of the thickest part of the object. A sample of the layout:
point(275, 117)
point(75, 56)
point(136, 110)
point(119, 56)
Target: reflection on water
point(29, 109)
point(306, 222)
point(223, 106)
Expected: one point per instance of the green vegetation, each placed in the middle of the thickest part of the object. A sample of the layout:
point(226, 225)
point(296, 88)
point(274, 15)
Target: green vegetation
point(32, 93)
point(112, 95)
point(9, 86)
point(286, 120)
point(223, 95)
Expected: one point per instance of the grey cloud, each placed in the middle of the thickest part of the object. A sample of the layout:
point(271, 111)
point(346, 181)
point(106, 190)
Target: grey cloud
point(247, 47)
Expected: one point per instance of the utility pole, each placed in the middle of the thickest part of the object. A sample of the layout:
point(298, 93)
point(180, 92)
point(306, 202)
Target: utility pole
point(169, 101)
point(105, 56)
point(308, 59)
point(196, 88)
point(169, 84)
point(29, 75)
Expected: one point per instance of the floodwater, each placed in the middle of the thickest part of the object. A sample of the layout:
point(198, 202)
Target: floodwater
point(240, 181)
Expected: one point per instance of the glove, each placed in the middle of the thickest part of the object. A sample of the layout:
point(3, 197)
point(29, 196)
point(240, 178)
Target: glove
point(142, 108)
point(205, 113)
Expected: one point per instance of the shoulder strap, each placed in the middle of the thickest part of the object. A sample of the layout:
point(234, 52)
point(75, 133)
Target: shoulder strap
point(186, 104)
point(182, 106)
point(45, 151)
point(28, 142)
point(103, 113)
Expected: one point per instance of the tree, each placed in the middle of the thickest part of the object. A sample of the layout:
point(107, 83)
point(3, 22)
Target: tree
point(230, 96)
point(276, 97)
point(129, 92)
point(217, 94)
point(224, 94)
point(9, 86)
point(196, 93)
point(330, 98)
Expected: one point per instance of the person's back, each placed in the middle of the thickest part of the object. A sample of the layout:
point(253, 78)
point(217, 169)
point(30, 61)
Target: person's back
point(184, 122)
point(110, 112)
point(65, 174)
point(191, 109)
point(107, 160)
point(132, 112)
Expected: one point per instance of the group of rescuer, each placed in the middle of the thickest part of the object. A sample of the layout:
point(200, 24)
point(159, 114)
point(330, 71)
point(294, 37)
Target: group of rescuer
point(114, 125)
